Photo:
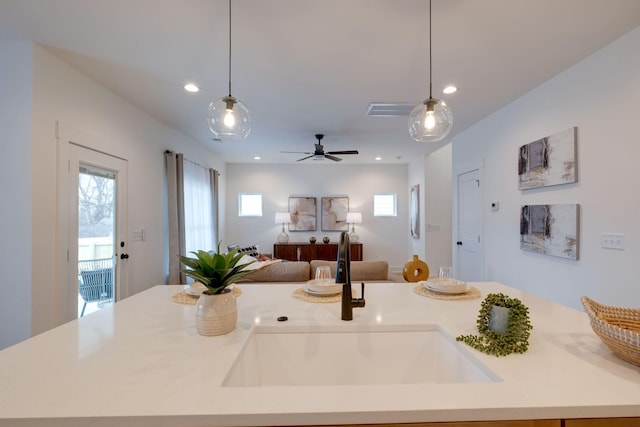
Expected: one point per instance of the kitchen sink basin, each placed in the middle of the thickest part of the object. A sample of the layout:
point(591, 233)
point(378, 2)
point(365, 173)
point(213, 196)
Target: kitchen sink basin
point(287, 355)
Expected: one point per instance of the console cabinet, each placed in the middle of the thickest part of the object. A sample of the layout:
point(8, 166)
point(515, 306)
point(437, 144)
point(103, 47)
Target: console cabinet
point(310, 251)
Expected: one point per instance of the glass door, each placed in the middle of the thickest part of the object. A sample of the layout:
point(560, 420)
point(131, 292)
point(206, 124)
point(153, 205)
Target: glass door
point(96, 238)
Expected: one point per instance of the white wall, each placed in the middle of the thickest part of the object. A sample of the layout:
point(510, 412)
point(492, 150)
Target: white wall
point(384, 238)
point(437, 208)
point(599, 95)
point(15, 209)
point(62, 94)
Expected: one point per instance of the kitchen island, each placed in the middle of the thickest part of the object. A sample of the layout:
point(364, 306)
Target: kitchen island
point(140, 362)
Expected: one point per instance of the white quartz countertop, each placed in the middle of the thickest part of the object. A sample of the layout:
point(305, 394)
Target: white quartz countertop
point(140, 362)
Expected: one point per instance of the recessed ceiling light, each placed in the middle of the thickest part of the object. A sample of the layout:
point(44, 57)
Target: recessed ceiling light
point(449, 89)
point(191, 87)
point(378, 158)
point(256, 157)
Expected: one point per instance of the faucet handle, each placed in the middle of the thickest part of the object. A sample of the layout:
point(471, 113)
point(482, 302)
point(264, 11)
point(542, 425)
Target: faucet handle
point(359, 302)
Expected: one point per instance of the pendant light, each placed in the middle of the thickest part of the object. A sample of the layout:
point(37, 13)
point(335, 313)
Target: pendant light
point(227, 117)
point(431, 120)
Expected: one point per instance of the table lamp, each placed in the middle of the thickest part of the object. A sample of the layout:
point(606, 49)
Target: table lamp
point(283, 218)
point(354, 218)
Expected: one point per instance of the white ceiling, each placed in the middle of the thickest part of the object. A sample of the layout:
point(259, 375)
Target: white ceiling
point(313, 66)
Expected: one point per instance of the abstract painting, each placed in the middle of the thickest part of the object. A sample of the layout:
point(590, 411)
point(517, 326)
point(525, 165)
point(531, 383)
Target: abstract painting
point(334, 213)
point(303, 213)
point(550, 229)
point(548, 161)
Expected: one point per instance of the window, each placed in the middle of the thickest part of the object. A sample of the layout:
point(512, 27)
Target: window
point(249, 204)
point(199, 212)
point(384, 204)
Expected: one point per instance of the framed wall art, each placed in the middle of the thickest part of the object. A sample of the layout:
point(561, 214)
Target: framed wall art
point(334, 213)
point(303, 213)
point(415, 211)
point(548, 161)
point(550, 229)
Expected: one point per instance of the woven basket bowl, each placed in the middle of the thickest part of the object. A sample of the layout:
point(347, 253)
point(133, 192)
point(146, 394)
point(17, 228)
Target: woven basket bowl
point(617, 327)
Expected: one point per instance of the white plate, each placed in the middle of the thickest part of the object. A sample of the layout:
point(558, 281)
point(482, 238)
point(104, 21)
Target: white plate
point(322, 292)
point(446, 289)
point(194, 289)
point(323, 287)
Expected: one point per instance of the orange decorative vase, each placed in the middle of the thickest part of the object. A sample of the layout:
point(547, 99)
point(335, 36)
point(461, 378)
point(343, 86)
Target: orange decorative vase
point(415, 270)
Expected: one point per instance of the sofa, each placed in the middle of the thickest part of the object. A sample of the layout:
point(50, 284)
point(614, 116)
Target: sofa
point(301, 271)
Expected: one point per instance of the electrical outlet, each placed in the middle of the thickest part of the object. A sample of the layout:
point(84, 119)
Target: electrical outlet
point(612, 241)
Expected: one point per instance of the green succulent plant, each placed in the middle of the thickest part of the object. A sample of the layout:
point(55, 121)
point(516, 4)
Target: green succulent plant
point(215, 270)
point(516, 337)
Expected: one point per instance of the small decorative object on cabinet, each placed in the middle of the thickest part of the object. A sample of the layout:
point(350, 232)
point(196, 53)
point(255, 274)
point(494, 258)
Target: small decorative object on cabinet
point(312, 239)
point(415, 270)
point(326, 239)
point(216, 309)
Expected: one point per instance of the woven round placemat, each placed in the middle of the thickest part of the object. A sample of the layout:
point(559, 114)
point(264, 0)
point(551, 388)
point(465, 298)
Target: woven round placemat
point(305, 296)
point(470, 294)
point(184, 298)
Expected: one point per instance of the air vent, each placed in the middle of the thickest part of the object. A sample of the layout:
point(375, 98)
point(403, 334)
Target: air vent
point(379, 109)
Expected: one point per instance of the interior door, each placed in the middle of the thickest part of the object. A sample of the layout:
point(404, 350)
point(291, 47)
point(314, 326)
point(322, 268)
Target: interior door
point(77, 162)
point(469, 227)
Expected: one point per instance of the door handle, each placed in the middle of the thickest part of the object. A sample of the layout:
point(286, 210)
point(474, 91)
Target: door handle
point(459, 243)
point(124, 256)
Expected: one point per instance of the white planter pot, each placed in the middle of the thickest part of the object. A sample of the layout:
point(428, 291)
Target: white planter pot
point(216, 314)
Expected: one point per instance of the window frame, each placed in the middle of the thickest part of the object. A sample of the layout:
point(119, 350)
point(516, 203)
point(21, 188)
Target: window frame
point(385, 214)
point(250, 214)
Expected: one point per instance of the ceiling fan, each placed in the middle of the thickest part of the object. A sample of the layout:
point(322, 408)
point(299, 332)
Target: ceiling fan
point(319, 153)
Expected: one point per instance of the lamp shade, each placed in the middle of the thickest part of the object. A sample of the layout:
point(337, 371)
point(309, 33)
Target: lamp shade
point(354, 218)
point(430, 121)
point(283, 218)
point(229, 119)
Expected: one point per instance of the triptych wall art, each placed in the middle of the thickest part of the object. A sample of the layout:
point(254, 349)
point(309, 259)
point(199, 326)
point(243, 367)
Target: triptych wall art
point(333, 213)
point(549, 229)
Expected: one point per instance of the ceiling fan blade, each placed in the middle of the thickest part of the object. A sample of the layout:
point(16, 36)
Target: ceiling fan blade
point(297, 152)
point(343, 152)
point(334, 158)
point(305, 158)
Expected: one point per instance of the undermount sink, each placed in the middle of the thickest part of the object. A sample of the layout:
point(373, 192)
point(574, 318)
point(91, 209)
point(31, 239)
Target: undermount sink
point(354, 355)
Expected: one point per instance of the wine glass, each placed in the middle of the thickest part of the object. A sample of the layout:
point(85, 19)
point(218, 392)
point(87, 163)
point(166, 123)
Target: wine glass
point(323, 274)
point(445, 273)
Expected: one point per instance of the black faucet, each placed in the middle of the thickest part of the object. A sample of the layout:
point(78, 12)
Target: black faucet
point(343, 275)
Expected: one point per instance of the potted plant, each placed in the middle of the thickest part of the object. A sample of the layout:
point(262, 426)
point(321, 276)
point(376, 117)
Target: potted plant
point(216, 309)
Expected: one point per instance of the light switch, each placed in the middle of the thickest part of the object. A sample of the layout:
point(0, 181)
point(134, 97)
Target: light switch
point(138, 235)
point(612, 241)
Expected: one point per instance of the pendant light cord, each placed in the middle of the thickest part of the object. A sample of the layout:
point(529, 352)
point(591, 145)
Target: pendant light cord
point(230, 47)
point(430, 61)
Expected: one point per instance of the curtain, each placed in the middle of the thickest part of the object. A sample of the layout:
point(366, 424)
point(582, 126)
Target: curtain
point(198, 208)
point(174, 165)
point(193, 210)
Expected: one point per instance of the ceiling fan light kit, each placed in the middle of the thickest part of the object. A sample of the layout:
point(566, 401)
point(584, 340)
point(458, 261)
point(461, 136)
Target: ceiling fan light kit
point(227, 117)
point(431, 120)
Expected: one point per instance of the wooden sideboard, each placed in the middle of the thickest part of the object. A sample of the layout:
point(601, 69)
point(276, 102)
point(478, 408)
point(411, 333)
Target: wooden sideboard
point(311, 251)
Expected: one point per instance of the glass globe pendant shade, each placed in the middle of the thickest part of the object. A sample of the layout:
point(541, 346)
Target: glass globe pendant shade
point(229, 119)
point(430, 121)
